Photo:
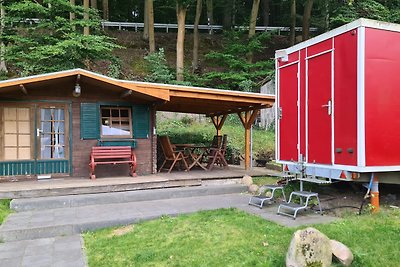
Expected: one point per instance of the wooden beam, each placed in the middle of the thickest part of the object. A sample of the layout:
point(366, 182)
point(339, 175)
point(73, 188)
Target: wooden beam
point(218, 122)
point(247, 118)
point(23, 89)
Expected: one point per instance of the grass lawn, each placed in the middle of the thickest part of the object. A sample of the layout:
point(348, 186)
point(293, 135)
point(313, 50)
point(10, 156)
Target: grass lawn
point(4, 209)
point(229, 237)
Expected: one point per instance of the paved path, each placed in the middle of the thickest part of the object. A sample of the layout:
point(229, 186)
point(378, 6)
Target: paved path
point(56, 251)
point(44, 230)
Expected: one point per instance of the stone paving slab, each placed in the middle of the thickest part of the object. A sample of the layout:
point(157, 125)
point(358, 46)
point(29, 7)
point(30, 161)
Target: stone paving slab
point(63, 251)
point(74, 220)
point(54, 202)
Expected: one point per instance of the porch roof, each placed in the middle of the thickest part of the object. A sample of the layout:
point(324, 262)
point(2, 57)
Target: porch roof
point(167, 97)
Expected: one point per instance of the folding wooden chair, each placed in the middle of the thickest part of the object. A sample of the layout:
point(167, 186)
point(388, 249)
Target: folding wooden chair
point(217, 155)
point(171, 155)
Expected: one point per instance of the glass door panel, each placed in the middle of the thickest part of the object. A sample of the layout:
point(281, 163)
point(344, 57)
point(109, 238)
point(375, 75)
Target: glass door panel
point(52, 133)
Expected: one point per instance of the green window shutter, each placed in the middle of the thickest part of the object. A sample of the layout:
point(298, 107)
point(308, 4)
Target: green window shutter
point(141, 121)
point(90, 121)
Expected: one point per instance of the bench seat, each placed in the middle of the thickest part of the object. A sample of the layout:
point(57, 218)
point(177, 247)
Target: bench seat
point(112, 155)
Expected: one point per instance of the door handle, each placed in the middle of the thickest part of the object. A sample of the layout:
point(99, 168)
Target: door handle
point(329, 106)
point(38, 131)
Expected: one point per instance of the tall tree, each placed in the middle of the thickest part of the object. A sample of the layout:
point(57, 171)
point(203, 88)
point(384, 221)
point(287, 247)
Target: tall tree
point(150, 22)
point(306, 19)
point(3, 65)
point(210, 14)
point(106, 10)
point(72, 14)
point(252, 26)
point(52, 44)
point(181, 9)
point(93, 4)
point(195, 60)
point(227, 17)
point(86, 16)
point(292, 37)
point(146, 21)
point(253, 18)
point(265, 12)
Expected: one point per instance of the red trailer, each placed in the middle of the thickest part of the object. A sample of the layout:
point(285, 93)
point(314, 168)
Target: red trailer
point(338, 104)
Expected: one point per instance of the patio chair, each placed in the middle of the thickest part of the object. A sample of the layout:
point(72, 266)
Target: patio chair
point(262, 198)
point(217, 154)
point(171, 155)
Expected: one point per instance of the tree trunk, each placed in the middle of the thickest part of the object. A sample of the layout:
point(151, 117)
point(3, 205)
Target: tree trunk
point(227, 19)
point(210, 14)
point(265, 13)
point(181, 16)
point(327, 15)
point(253, 18)
point(86, 16)
point(195, 61)
point(93, 4)
point(71, 14)
point(150, 22)
point(252, 26)
point(292, 37)
point(306, 19)
point(106, 11)
point(146, 21)
point(3, 66)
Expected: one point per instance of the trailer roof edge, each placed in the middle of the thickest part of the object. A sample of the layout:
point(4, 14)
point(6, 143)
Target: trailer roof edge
point(369, 23)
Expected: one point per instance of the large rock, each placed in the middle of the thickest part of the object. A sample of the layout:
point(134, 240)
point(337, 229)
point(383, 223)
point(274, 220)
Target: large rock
point(253, 188)
point(247, 180)
point(342, 252)
point(309, 247)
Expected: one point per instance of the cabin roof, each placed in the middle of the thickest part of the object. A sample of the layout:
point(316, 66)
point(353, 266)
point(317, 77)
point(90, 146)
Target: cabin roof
point(174, 98)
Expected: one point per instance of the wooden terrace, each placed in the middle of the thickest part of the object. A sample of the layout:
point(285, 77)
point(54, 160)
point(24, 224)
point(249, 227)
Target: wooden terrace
point(74, 186)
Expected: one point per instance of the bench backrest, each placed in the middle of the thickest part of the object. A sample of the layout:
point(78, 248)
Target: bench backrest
point(111, 152)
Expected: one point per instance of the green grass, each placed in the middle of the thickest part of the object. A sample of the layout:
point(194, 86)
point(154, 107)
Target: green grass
point(4, 209)
point(229, 237)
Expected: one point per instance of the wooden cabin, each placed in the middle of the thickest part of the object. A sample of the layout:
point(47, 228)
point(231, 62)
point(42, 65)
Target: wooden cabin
point(50, 122)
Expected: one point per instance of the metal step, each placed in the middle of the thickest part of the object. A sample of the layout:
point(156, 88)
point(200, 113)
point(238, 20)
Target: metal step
point(316, 180)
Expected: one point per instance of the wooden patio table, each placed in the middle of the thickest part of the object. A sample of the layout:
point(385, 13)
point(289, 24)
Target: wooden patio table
point(196, 153)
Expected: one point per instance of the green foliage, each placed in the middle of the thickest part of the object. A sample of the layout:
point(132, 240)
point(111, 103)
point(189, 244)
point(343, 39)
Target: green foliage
point(186, 131)
point(158, 68)
point(348, 11)
point(228, 237)
point(234, 72)
point(4, 209)
point(53, 42)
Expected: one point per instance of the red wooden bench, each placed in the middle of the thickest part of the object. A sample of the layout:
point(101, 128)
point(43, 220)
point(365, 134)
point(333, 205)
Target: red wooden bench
point(112, 155)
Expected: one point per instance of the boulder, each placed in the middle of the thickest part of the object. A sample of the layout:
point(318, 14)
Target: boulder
point(247, 180)
point(342, 253)
point(309, 247)
point(253, 188)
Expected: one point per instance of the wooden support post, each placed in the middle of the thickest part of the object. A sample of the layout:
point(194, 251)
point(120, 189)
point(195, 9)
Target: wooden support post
point(247, 118)
point(218, 122)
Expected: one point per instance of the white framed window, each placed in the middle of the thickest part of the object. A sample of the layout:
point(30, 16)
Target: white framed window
point(116, 122)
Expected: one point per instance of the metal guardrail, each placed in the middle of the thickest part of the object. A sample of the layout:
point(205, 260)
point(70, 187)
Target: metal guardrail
point(167, 27)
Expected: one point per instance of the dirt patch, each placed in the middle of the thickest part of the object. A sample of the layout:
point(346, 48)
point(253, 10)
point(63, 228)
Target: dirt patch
point(122, 230)
point(346, 198)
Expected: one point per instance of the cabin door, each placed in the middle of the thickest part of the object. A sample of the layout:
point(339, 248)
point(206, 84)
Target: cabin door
point(52, 132)
point(319, 108)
